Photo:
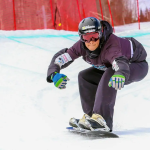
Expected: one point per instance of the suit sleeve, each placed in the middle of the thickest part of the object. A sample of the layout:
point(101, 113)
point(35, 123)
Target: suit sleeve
point(119, 62)
point(122, 64)
point(63, 59)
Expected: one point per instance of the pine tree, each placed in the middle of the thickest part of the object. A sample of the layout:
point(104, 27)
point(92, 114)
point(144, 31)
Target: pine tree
point(146, 14)
point(142, 18)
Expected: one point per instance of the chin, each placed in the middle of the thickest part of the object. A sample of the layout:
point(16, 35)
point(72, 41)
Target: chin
point(92, 49)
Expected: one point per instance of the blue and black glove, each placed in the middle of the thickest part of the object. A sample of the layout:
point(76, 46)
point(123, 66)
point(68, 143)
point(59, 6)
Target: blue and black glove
point(117, 82)
point(60, 80)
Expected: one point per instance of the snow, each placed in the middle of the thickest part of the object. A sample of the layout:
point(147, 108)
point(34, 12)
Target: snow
point(34, 113)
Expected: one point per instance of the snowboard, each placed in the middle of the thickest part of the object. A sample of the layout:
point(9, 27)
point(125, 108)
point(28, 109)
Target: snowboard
point(92, 134)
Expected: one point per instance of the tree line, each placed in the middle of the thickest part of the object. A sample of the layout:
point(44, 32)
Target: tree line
point(124, 12)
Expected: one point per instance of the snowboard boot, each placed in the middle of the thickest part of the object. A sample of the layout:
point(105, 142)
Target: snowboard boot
point(80, 123)
point(83, 122)
point(74, 122)
point(98, 122)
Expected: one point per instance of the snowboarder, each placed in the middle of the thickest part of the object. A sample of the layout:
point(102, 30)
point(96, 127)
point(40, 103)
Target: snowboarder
point(115, 62)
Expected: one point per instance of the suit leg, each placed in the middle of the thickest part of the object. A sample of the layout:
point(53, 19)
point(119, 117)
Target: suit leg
point(88, 81)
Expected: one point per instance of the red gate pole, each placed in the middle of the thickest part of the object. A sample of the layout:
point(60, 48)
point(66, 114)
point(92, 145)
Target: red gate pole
point(51, 6)
point(14, 15)
point(110, 15)
point(101, 9)
point(138, 13)
point(78, 9)
point(83, 11)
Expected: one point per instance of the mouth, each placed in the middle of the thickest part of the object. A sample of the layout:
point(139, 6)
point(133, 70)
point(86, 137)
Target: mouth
point(92, 45)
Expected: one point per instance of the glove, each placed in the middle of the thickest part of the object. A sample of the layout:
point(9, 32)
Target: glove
point(117, 82)
point(60, 80)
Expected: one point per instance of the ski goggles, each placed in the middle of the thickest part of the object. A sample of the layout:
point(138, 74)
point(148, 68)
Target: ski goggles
point(88, 37)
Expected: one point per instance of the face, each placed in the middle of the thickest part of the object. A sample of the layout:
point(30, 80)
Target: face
point(92, 45)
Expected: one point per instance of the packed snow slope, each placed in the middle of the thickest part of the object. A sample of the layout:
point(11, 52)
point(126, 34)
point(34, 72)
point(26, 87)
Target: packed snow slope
point(34, 113)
